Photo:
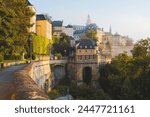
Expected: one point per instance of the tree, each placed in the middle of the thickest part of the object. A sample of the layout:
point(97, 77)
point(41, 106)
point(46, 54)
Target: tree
point(141, 48)
point(128, 77)
point(14, 24)
point(91, 34)
point(61, 45)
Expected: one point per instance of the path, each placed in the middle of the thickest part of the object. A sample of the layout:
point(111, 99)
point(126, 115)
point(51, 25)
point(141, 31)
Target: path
point(6, 81)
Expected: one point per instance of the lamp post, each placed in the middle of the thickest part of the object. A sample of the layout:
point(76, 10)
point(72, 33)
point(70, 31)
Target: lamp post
point(30, 40)
point(39, 53)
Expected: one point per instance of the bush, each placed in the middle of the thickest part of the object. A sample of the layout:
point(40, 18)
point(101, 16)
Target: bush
point(58, 55)
point(53, 94)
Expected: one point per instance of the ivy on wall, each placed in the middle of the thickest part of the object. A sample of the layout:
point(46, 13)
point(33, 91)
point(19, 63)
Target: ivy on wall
point(41, 45)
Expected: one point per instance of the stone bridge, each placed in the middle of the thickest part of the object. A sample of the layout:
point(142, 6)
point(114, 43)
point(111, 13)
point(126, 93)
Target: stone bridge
point(58, 68)
point(34, 80)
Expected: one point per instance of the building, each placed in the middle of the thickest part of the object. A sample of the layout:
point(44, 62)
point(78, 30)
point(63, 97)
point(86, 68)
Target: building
point(33, 19)
point(44, 26)
point(68, 30)
point(57, 28)
point(85, 63)
point(118, 43)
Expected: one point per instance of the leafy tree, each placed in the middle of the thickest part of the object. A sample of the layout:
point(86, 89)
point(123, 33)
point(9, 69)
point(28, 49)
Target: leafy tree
point(61, 45)
point(91, 34)
point(128, 77)
point(141, 48)
point(14, 24)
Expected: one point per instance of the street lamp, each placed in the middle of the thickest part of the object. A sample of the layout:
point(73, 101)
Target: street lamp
point(39, 53)
point(30, 40)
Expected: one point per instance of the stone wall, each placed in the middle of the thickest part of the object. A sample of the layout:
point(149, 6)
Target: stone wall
point(40, 72)
point(26, 81)
point(75, 71)
point(8, 64)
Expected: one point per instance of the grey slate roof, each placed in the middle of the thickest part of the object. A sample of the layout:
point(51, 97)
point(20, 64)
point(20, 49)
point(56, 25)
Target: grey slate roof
point(69, 26)
point(43, 17)
point(87, 44)
point(57, 23)
point(92, 26)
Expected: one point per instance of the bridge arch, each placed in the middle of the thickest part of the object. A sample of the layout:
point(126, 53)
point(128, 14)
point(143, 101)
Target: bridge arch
point(59, 72)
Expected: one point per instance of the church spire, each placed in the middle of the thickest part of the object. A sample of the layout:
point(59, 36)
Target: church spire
point(110, 30)
point(88, 20)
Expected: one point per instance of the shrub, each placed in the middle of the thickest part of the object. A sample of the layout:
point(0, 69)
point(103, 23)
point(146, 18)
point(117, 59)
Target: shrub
point(58, 55)
point(53, 94)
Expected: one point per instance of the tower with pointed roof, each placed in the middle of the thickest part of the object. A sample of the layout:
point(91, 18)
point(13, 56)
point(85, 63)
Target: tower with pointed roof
point(110, 30)
point(88, 20)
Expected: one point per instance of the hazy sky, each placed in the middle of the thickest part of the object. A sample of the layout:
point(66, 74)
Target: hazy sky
point(127, 17)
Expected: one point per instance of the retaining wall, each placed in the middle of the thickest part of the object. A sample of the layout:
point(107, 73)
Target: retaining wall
point(27, 87)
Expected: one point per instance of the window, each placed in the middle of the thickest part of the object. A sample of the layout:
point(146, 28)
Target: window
point(85, 46)
point(93, 56)
point(81, 57)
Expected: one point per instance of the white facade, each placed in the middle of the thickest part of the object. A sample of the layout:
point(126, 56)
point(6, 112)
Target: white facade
point(68, 30)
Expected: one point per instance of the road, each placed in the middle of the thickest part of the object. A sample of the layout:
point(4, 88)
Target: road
point(7, 81)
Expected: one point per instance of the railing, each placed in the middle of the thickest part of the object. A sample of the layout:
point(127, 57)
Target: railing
point(58, 61)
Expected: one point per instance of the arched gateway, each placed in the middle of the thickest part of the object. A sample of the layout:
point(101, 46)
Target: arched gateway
point(87, 75)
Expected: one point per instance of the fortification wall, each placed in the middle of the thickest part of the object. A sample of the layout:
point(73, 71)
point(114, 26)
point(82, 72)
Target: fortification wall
point(29, 82)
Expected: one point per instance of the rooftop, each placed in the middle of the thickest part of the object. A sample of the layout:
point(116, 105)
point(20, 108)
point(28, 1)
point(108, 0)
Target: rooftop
point(43, 17)
point(87, 44)
point(28, 3)
point(57, 23)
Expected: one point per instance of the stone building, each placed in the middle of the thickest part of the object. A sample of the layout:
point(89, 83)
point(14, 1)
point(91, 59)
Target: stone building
point(84, 64)
point(57, 28)
point(44, 26)
point(68, 30)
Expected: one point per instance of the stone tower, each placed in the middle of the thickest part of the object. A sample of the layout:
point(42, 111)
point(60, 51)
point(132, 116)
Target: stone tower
point(85, 64)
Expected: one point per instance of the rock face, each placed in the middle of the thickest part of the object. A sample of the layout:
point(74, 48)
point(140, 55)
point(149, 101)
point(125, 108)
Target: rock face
point(26, 88)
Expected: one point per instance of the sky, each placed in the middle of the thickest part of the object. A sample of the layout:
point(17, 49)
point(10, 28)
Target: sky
point(127, 17)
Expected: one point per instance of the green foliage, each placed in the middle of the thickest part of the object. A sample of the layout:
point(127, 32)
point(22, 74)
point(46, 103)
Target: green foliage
point(141, 48)
point(14, 24)
point(58, 55)
point(62, 89)
point(53, 94)
point(41, 45)
point(128, 77)
point(91, 34)
point(61, 45)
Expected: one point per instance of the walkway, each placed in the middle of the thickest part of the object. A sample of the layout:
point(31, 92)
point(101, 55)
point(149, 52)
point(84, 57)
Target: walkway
point(6, 81)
